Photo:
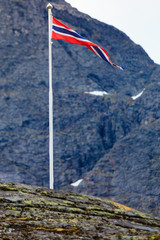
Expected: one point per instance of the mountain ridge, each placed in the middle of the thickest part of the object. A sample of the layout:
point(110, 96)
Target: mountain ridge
point(87, 128)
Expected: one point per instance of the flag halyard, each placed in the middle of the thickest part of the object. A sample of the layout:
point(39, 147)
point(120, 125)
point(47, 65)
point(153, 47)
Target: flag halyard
point(63, 32)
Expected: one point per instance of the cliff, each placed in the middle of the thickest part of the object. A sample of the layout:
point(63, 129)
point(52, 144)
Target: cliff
point(110, 141)
point(29, 212)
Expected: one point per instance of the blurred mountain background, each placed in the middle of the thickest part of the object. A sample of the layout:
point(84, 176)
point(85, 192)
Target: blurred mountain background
point(110, 141)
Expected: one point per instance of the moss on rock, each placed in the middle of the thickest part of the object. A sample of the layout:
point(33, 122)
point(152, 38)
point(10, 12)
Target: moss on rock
point(29, 212)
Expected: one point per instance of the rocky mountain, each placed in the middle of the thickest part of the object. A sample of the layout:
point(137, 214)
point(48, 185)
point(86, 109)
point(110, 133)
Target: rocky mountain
point(110, 141)
point(29, 212)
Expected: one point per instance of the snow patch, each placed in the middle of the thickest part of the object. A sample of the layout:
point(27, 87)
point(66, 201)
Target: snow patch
point(138, 95)
point(76, 184)
point(97, 93)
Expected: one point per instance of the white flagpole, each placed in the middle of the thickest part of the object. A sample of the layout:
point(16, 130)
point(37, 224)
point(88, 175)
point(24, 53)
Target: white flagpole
point(51, 170)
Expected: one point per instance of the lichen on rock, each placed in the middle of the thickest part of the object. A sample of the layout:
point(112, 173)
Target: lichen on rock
point(30, 212)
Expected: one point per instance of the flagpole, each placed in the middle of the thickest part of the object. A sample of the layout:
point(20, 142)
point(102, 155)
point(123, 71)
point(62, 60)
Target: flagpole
point(51, 159)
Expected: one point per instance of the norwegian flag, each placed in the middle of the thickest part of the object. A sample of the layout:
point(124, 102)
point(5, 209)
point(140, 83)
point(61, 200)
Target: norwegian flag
point(62, 32)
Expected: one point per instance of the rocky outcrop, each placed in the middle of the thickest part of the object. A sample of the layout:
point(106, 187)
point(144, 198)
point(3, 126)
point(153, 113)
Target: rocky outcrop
point(29, 212)
point(114, 136)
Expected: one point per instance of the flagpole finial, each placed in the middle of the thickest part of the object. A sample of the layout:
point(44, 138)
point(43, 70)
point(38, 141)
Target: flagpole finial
point(49, 6)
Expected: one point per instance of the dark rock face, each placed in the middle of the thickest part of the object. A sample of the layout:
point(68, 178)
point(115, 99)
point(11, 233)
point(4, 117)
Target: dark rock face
point(29, 212)
point(116, 177)
point(132, 166)
point(112, 141)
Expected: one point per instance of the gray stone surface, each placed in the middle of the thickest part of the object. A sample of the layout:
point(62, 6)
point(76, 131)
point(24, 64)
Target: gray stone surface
point(30, 212)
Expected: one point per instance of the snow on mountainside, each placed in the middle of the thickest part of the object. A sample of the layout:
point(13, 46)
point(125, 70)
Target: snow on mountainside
point(138, 95)
point(97, 93)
